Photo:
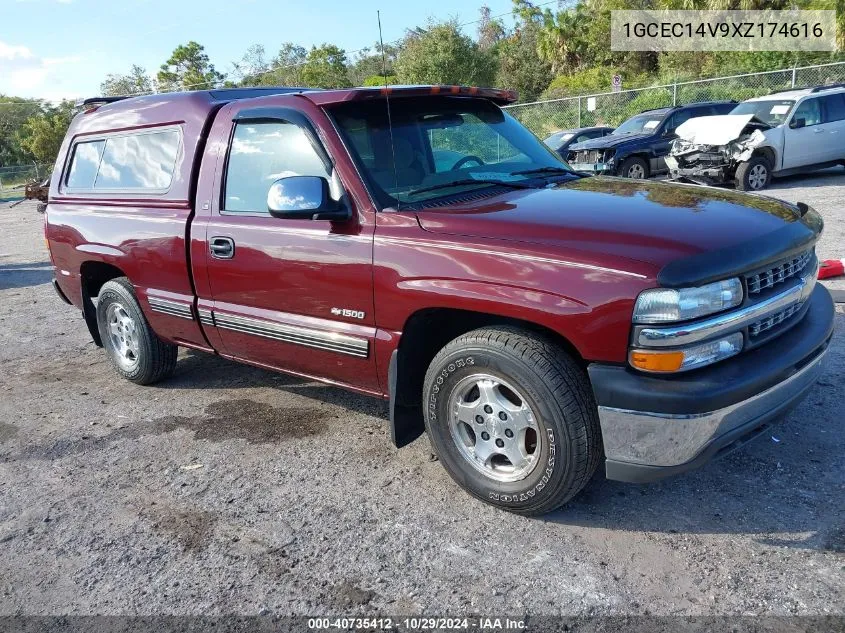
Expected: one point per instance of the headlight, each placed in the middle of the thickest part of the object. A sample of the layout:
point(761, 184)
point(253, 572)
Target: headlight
point(659, 361)
point(665, 305)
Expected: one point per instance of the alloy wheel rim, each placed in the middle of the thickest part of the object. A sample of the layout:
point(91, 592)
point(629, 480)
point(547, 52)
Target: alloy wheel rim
point(494, 428)
point(636, 171)
point(757, 177)
point(123, 333)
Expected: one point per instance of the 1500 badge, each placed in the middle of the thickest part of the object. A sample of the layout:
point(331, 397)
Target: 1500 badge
point(352, 314)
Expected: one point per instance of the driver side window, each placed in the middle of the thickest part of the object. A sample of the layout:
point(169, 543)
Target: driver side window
point(261, 153)
point(676, 119)
point(810, 111)
point(470, 144)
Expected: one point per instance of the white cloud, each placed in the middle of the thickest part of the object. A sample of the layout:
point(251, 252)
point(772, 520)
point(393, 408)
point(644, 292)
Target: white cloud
point(25, 74)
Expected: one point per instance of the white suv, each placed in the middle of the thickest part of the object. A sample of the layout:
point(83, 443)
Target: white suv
point(776, 135)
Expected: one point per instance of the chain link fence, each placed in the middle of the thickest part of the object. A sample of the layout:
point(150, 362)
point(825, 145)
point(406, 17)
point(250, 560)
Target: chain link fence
point(14, 178)
point(612, 108)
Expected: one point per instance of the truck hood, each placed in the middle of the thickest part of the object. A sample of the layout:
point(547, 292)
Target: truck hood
point(617, 220)
point(713, 130)
point(611, 140)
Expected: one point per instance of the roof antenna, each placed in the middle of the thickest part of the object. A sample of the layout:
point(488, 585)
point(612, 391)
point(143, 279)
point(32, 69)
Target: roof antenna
point(386, 91)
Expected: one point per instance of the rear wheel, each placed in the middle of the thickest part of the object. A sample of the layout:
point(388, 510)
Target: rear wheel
point(753, 175)
point(634, 167)
point(136, 352)
point(512, 418)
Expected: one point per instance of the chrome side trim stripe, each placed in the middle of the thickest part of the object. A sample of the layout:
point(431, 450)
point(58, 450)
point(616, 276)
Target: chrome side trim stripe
point(206, 316)
point(172, 308)
point(329, 341)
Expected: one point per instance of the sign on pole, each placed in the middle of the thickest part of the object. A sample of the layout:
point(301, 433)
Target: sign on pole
point(616, 83)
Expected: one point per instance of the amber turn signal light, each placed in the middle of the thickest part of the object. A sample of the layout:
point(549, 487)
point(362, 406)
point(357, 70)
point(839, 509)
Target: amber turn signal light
point(657, 361)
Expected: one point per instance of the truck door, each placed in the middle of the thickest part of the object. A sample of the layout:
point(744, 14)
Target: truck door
point(291, 294)
point(833, 107)
point(805, 135)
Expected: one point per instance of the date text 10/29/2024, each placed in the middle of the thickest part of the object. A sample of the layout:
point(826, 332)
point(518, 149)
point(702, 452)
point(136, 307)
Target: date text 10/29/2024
point(420, 623)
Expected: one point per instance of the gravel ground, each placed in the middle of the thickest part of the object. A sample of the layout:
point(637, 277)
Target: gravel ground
point(231, 490)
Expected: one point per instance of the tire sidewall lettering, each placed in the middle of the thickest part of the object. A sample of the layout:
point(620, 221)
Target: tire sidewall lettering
point(527, 495)
point(453, 366)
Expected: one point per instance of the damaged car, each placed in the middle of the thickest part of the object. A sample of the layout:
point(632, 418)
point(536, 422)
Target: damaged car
point(762, 138)
point(638, 148)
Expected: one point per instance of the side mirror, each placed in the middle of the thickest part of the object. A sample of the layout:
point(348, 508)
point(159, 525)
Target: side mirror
point(797, 123)
point(304, 198)
point(669, 132)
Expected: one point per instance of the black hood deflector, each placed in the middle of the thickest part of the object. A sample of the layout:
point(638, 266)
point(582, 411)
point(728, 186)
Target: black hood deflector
point(745, 257)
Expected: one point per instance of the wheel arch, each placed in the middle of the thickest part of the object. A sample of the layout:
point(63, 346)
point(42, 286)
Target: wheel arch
point(768, 153)
point(424, 334)
point(93, 275)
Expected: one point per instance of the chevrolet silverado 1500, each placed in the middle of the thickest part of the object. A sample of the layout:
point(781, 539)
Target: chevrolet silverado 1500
point(419, 245)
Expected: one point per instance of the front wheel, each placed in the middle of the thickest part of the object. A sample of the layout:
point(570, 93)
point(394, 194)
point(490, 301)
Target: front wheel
point(753, 175)
point(512, 418)
point(136, 352)
point(633, 167)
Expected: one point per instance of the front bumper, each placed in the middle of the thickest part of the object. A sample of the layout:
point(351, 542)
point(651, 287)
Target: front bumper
point(654, 427)
point(596, 168)
point(714, 170)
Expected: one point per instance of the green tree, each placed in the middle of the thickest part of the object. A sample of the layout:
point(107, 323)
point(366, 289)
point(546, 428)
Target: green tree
point(325, 67)
point(490, 30)
point(561, 41)
point(286, 67)
point(442, 54)
point(188, 69)
point(136, 81)
point(520, 66)
point(14, 111)
point(42, 135)
point(252, 67)
point(368, 64)
point(374, 81)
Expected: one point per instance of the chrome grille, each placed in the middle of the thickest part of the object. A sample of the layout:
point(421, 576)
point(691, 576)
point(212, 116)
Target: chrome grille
point(773, 319)
point(777, 274)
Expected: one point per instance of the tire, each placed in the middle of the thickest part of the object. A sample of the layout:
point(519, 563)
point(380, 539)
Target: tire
point(748, 175)
point(136, 352)
point(633, 165)
point(524, 370)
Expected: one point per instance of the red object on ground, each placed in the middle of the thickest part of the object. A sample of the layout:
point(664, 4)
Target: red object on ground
point(831, 268)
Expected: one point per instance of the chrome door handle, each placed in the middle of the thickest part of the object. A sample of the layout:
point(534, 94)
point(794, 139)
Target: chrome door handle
point(222, 247)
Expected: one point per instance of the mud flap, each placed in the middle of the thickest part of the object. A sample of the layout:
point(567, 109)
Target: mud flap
point(89, 313)
point(406, 420)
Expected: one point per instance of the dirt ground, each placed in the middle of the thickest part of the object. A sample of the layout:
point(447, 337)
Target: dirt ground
point(231, 490)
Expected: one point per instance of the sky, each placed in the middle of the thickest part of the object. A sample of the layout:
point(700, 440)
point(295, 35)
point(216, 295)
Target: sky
point(55, 49)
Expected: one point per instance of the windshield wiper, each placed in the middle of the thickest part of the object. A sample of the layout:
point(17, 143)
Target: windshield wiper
point(542, 170)
point(470, 181)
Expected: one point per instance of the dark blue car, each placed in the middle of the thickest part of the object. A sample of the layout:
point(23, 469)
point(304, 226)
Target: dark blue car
point(561, 141)
point(638, 147)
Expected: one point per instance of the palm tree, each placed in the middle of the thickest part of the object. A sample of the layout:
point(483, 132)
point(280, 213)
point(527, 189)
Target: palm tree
point(560, 39)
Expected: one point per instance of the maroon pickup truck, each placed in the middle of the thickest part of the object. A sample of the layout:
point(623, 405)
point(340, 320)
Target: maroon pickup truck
point(419, 245)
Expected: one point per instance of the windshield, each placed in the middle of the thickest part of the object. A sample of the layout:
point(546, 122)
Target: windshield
point(439, 141)
point(772, 112)
point(640, 124)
